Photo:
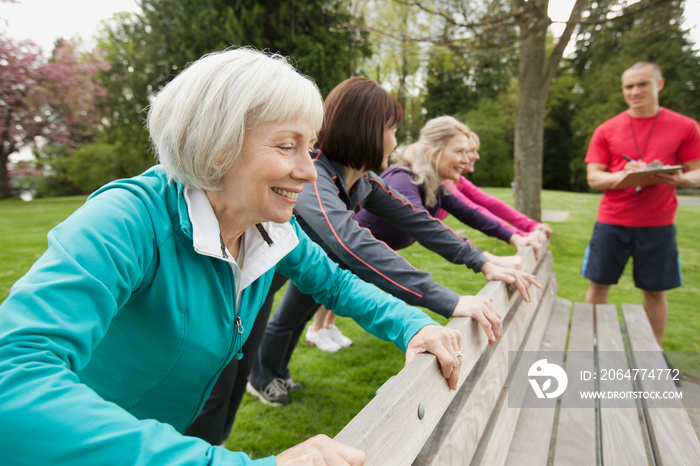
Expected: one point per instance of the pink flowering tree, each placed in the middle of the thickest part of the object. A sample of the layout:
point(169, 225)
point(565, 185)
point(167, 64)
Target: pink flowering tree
point(68, 82)
point(19, 101)
point(49, 106)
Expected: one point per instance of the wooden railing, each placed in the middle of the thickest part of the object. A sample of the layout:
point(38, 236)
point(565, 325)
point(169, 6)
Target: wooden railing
point(416, 419)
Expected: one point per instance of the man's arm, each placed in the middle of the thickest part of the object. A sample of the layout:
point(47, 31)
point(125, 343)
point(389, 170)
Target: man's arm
point(600, 178)
point(688, 178)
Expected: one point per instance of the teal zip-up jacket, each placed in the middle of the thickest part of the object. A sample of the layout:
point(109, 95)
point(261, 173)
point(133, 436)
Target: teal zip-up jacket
point(111, 343)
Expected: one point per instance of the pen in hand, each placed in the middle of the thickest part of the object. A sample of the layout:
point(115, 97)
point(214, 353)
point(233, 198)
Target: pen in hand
point(638, 189)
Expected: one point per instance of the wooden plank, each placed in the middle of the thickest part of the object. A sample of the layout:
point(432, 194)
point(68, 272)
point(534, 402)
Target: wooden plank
point(457, 435)
point(505, 417)
point(533, 432)
point(623, 441)
point(673, 439)
point(388, 429)
point(576, 430)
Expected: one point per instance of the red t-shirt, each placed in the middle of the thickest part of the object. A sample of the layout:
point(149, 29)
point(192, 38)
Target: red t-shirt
point(672, 139)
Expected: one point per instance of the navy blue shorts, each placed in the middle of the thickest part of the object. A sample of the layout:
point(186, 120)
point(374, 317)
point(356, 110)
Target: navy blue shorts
point(654, 252)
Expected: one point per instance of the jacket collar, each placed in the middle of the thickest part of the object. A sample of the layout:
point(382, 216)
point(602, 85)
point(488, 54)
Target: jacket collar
point(257, 255)
point(336, 171)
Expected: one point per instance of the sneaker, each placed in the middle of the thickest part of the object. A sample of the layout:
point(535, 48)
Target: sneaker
point(292, 386)
point(272, 394)
point(322, 340)
point(338, 336)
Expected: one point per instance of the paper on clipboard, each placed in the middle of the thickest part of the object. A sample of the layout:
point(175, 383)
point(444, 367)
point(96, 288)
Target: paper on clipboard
point(641, 177)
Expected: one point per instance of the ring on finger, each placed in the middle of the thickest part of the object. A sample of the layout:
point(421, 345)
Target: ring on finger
point(459, 354)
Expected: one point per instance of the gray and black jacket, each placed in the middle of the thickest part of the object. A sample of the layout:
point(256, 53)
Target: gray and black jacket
point(325, 211)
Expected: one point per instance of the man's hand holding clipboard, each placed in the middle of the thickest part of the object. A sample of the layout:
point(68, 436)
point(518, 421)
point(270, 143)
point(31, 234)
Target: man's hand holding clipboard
point(649, 175)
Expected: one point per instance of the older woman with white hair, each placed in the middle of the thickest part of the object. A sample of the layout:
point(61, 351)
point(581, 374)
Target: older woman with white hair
point(111, 343)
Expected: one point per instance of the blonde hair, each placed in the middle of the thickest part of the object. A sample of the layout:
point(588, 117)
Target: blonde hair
point(198, 120)
point(419, 156)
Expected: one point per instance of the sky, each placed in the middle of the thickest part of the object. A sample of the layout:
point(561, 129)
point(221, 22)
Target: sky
point(44, 21)
point(559, 10)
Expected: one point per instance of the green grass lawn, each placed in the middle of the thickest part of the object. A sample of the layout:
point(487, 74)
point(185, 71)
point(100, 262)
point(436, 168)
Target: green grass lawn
point(340, 384)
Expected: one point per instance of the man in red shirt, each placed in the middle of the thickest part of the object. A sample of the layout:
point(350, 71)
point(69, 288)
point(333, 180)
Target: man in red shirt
point(640, 222)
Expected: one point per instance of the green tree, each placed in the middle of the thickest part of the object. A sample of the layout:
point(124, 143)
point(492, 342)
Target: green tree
point(461, 71)
point(493, 120)
point(137, 72)
point(149, 49)
point(559, 150)
point(91, 166)
point(307, 30)
point(397, 56)
point(447, 86)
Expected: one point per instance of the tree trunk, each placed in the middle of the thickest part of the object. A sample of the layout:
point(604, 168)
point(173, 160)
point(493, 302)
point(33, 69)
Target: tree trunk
point(4, 177)
point(536, 72)
point(530, 114)
point(6, 148)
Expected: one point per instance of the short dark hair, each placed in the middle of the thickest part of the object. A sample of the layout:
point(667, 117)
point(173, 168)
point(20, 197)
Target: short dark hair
point(358, 111)
point(642, 63)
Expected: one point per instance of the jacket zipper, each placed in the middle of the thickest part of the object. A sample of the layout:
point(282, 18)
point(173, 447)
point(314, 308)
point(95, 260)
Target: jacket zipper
point(239, 325)
point(237, 318)
point(223, 246)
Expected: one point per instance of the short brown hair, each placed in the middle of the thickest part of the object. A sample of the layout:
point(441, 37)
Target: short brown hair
point(358, 111)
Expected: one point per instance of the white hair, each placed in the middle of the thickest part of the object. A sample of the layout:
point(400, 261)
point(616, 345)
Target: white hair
point(197, 121)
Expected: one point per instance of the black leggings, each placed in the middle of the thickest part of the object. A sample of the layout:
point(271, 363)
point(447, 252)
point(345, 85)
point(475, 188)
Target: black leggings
point(281, 336)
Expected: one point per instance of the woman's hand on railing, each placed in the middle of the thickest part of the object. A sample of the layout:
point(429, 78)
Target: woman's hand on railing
point(535, 241)
point(481, 309)
point(513, 262)
point(512, 276)
point(544, 228)
point(445, 344)
point(321, 451)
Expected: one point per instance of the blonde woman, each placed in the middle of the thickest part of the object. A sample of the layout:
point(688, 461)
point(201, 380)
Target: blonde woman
point(426, 173)
point(491, 206)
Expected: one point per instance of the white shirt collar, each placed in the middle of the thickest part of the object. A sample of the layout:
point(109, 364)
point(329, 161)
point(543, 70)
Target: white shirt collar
point(259, 256)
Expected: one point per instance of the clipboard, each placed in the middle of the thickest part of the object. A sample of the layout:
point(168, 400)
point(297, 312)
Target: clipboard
point(640, 177)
